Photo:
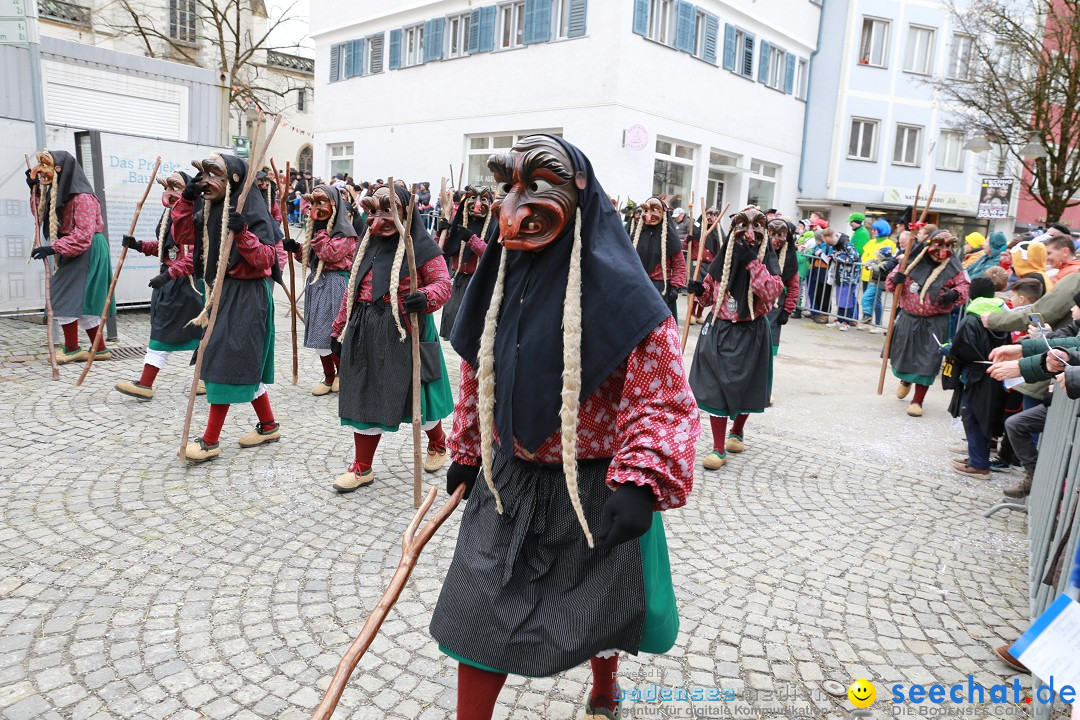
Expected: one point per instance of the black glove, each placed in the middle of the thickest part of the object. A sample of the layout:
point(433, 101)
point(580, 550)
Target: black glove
point(335, 346)
point(159, 280)
point(31, 182)
point(317, 226)
point(194, 187)
point(415, 302)
point(695, 287)
point(742, 254)
point(672, 294)
point(236, 223)
point(444, 224)
point(948, 297)
point(131, 242)
point(782, 318)
point(899, 278)
point(42, 251)
point(292, 246)
point(458, 474)
point(626, 515)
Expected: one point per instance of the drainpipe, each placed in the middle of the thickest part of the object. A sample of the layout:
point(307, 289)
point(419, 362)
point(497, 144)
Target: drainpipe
point(809, 80)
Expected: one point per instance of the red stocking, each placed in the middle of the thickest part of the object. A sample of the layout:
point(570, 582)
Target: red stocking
point(214, 422)
point(337, 362)
point(477, 691)
point(365, 450)
point(719, 432)
point(71, 336)
point(740, 423)
point(262, 409)
point(920, 394)
point(149, 374)
point(436, 438)
point(92, 333)
point(604, 682)
point(328, 368)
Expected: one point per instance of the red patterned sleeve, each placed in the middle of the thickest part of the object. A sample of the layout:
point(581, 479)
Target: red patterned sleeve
point(478, 246)
point(332, 251)
point(259, 256)
point(85, 215)
point(658, 422)
point(149, 247)
point(183, 265)
point(709, 296)
point(435, 282)
point(792, 298)
point(766, 286)
point(464, 440)
point(183, 221)
point(678, 270)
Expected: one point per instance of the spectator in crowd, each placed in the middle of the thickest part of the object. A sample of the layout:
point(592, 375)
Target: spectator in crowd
point(974, 242)
point(1029, 260)
point(820, 288)
point(859, 234)
point(989, 256)
point(875, 256)
point(844, 276)
point(680, 221)
point(999, 275)
point(1061, 256)
point(804, 241)
point(1055, 307)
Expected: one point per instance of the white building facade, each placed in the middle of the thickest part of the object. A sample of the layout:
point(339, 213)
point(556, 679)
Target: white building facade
point(877, 128)
point(664, 96)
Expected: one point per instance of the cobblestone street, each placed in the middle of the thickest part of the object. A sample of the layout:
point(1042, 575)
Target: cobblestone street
point(838, 546)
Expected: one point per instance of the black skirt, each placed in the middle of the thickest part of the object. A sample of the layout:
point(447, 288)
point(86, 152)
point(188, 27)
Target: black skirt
point(376, 368)
point(172, 307)
point(450, 309)
point(914, 351)
point(732, 370)
point(524, 593)
point(774, 327)
point(237, 349)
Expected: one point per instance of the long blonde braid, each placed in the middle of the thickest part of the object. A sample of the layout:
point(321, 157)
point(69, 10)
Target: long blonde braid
point(635, 232)
point(571, 387)
point(203, 318)
point(486, 382)
point(54, 217)
point(663, 254)
point(395, 285)
point(350, 291)
point(725, 276)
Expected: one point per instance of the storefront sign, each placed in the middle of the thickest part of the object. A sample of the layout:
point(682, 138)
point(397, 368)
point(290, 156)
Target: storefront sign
point(995, 198)
point(943, 201)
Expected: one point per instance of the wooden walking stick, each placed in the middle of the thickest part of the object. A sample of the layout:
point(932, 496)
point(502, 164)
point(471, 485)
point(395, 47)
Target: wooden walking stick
point(292, 273)
point(697, 273)
point(452, 176)
point(414, 322)
point(899, 289)
point(447, 211)
point(412, 544)
point(227, 242)
point(48, 287)
point(99, 336)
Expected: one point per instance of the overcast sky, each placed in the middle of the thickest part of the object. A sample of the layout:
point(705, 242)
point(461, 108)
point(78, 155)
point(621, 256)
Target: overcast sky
point(295, 31)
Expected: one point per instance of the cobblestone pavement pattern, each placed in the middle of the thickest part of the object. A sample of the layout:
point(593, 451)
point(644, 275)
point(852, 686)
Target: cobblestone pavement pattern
point(834, 548)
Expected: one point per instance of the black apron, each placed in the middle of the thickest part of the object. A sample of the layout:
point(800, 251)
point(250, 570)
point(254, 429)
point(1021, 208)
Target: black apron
point(732, 370)
point(450, 309)
point(234, 354)
point(172, 307)
point(376, 367)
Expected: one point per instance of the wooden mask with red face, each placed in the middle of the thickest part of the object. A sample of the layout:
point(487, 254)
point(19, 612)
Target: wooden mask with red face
point(748, 226)
point(173, 185)
point(381, 213)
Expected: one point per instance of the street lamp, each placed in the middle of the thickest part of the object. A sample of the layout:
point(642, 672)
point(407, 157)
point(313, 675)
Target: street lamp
point(978, 143)
point(1034, 149)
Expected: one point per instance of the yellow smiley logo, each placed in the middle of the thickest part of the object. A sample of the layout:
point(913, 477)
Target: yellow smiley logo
point(862, 693)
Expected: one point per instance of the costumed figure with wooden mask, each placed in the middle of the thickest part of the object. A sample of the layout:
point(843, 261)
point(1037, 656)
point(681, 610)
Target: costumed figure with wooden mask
point(239, 358)
point(712, 246)
point(570, 421)
point(325, 253)
point(72, 230)
point(371, 336)
point(466, 239)
point(266, 186)
point(658, 246)
point(934, 283)
point(782, 238)
point(177, 296)
point(732, 371)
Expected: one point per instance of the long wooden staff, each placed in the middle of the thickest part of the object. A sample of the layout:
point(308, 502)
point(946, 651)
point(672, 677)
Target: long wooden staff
point(447, 212)
point(412, 544)
point(452, 176)
point(292, 272)
point(99, 337)
point(697, 273)
point(899, 289)
point(414, 321)
point(219, 278)
point(48, 273)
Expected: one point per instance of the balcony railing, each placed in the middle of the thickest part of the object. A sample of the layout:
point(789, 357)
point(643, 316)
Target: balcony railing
point(295, 63)
point(64, 12)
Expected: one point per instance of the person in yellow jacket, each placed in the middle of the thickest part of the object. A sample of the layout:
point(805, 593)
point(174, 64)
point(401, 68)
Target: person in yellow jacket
point(879, 247)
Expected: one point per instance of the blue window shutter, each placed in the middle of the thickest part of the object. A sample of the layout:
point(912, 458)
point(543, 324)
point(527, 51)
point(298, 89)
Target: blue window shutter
point(789, 77)
point(729, 47)
point(537, 21)
point(433, 39)
point(684, 30)
point(395, 49)
point(578, 11)
point(747, 59)
point(474, 31)
point(487, 28)
point(763, 63)
point(335, 63)
point(712, 37)
point(641, 17)
point(354, 58)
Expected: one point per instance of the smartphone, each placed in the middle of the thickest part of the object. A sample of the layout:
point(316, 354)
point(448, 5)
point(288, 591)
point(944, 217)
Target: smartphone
point(1035, 319)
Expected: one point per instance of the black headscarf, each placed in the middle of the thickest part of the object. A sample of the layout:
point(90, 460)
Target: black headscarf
point(463, 227)
point(712, 240)
point(343, 226)
point(528, 345)
point(165, 236)
point(739, 281)
point(256, 215)
point(927, 265)
point(71, 181)
point(378, 258)
point(791, 258)
point(263, 175)
point(648, 247)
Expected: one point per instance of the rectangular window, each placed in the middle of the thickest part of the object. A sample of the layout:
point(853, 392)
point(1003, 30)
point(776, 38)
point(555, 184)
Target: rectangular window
point(662, 20)
point(761, 189)
point(413, 46)
point(950, 153)
point(15, 247)
point(673, 170)
point(802, 78)
point(777, 68)
point(16, 286)
point(457, 36)
point(338, 55)
point(919, 56)
point(480, 149)
point(561, 21)
point(961, 66)
point(301, 99)
point(341, 158)
point(14, 208)
point(908, 141)
point(874, 46)
point(512, 25)
point(699, 34)
point(744, 54)
point(863, 142)
point(182, 20)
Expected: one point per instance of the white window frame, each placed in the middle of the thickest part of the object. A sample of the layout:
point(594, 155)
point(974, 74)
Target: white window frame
point(950, 151)
point(560, 19)
point(663, 18)
point(369, 53)
point(962, 50)
point(878, 27)
point(457, 31)
point(302, 104)
point(777, 68)
point(511, 18)
point(919, 35)
point(742, 57)
point(342, 154)
point(802, 78)
point(182, 17)
point(904, 146)
point(16, 246)
point(16, 286)
point(763, 173)
point(699, 34)
point(874, 126)
point(481, 146)
point(412, 45)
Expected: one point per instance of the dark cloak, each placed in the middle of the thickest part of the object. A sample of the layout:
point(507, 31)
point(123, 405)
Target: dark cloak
point(72, 181)
point(739, 280)
point(648, 247)
point(166, 220)
point(983, 395)
point(461, 229)
point(712, 240)
point(528, 342)
point(791, 259)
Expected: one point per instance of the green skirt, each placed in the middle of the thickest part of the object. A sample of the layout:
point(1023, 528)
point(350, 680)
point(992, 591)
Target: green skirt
point(916, 379)
point(226, 394)
point(98, 278)
point(174, 347)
